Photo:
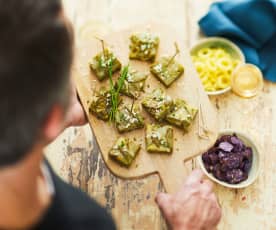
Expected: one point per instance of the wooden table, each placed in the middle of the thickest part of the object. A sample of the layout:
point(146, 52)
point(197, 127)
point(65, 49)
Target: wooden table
point(75, 156)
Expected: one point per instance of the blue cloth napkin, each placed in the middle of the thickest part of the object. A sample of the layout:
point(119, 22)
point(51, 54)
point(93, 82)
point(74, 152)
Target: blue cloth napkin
point(251, 24)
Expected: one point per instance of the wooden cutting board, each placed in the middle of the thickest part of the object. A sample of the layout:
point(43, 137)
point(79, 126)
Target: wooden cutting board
point(170, 167)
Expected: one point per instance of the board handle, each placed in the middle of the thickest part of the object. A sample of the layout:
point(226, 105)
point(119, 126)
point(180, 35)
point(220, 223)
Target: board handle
point(173, 176)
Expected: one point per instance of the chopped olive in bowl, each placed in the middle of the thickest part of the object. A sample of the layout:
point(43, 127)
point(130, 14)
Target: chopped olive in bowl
point(234, 160)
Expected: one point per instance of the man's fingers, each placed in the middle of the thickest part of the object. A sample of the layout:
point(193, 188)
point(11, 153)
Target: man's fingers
point(195, 178)
point(215, 211)
point(164, 202)
point(162, 199)
point(213, 198)
point(207, 187)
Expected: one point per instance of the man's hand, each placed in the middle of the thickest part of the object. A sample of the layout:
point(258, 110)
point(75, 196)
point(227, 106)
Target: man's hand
point(75, 114)
point(193, 207)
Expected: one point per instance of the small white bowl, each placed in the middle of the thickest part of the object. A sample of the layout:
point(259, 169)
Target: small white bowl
point(255, 168)
point(226, 44)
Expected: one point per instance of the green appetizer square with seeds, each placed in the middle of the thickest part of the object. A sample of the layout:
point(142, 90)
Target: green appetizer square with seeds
point(143, 46)
point(101, 63)
point(128, 118)
point(167, 70)
point(157, 104)
point(134, 84)
point(124, 151)
point(181, 114)
point(159, 138)
point(101, 104)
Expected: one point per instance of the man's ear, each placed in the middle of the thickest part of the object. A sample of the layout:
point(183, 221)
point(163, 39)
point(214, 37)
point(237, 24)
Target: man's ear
point(54, 123)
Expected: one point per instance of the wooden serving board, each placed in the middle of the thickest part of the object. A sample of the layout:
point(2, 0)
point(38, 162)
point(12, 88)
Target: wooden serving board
point(188, 87)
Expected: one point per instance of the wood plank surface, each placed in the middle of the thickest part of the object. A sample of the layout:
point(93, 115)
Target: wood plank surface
point(75, 155)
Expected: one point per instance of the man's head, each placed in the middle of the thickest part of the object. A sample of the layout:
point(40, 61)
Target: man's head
point(35, 60)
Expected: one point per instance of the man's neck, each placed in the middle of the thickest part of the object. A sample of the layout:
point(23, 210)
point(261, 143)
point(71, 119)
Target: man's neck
point(23, 192)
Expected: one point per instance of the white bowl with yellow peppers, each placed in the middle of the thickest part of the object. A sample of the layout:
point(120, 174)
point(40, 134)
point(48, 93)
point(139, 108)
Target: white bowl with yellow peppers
point(215, 59)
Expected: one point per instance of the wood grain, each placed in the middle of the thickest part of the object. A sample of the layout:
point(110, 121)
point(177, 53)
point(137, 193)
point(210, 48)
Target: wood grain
point(75, 155)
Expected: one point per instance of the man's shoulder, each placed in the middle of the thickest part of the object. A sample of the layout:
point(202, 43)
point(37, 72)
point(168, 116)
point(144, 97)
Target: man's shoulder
point(75, 201)
point(74, 209)
point(83, 210)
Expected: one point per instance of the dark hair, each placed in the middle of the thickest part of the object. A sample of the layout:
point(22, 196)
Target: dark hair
point(35, 60)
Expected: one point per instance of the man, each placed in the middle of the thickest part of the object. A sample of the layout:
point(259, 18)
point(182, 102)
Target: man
point(36, 51)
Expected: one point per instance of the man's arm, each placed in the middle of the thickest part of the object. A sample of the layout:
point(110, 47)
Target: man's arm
point(193, 207)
